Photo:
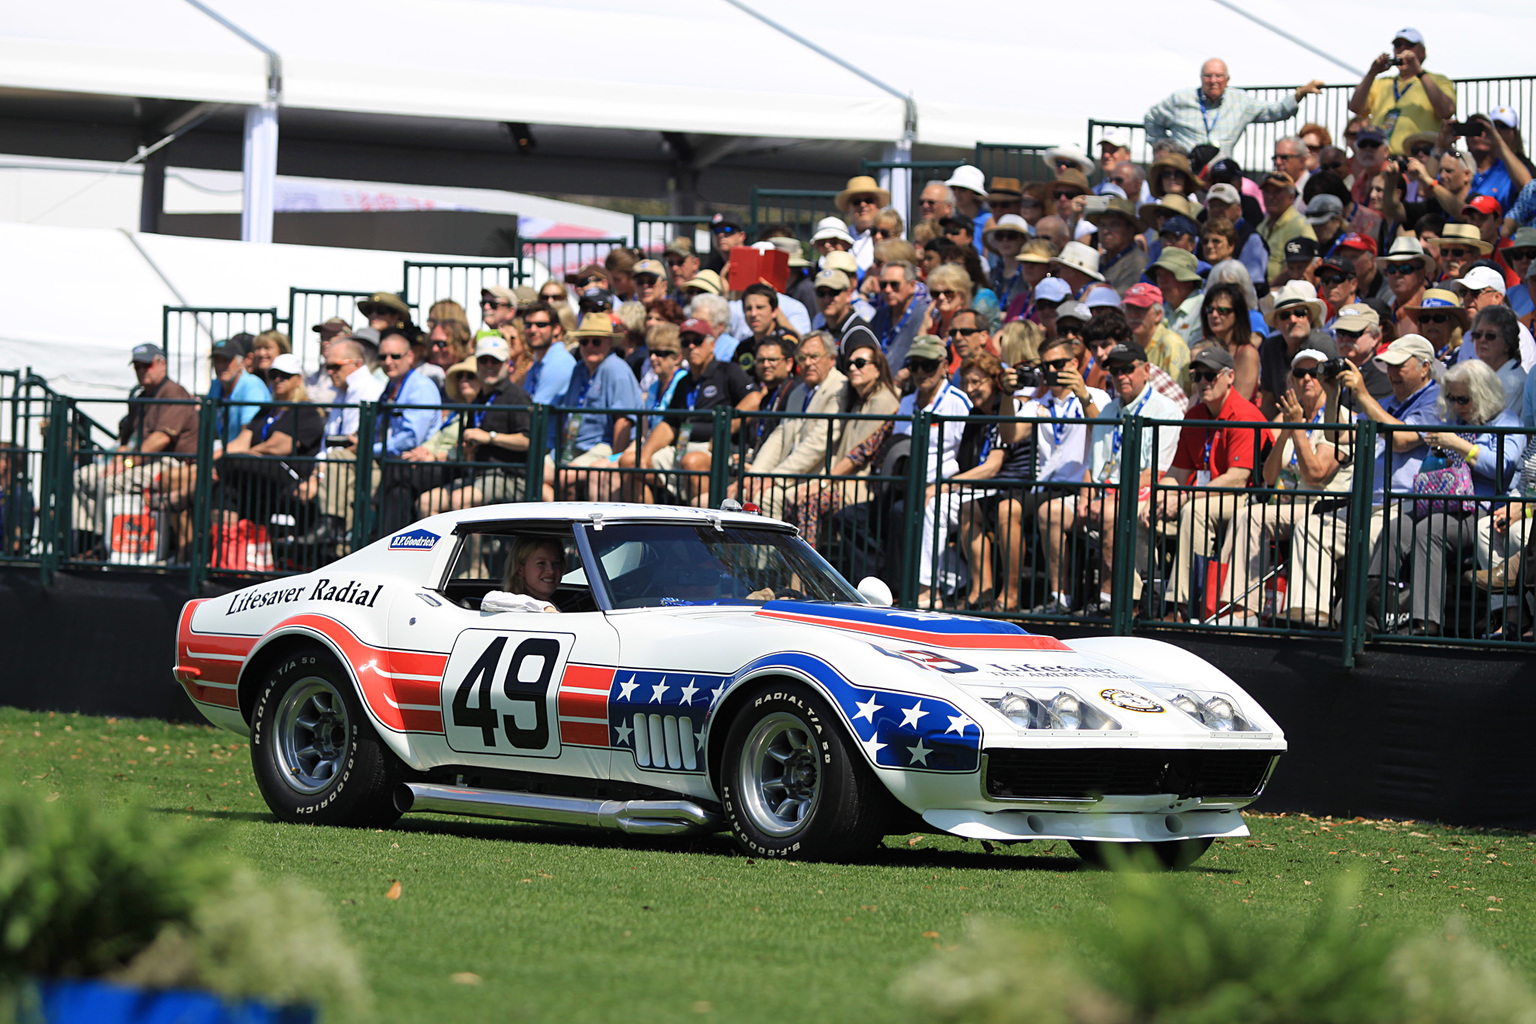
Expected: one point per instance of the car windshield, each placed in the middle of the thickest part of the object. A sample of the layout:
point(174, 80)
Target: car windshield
point(646, 565)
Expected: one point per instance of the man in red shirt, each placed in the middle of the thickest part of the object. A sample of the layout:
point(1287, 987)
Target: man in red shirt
point(1214, 457)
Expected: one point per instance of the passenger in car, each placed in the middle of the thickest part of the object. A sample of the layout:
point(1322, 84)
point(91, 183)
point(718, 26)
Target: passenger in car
point(534, 570)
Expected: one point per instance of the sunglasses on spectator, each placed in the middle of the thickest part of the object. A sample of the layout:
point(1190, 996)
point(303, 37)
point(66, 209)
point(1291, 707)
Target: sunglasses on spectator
point(1121, 369)
point(1332, 279)
point(335, 367)
point(883, 233)
point(863, 201)
point(392, 356)
point(676, 261)
point(1434, 318)
point(538, 323)
point(1058, 364)
point(1301, 312)
point(1061, 194)
point(1459, 399)
point(487, 359)
point(1393, 269)
point(1486, 336)
point(442, 344)
point(919, 365)
point(856, 364)
point(1519, 254)
point(891, 285)
point(946, 294)
point(1070, 327)
point(1220, 310)
point(1007, 236)
point(1300, 372)
point(645, 279)
point(493, 303)
point(724, 229)
point(673, 353)
point(691, 340)
point(963, 332)
point(593, 341)
point(1282, 157)
point(1368, 144)
point(1204, 376)
point(827, 293)
point(1423, 151)
point(1455, 252)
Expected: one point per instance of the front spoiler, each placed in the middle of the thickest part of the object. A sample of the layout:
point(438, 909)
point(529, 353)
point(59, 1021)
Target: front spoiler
point(1107, 827)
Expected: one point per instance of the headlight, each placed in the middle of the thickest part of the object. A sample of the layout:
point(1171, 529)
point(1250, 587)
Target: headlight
point(1218, 712)
point(1064, 710)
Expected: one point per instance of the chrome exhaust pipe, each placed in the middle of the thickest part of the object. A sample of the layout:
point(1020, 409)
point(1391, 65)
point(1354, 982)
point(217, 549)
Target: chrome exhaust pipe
point(651, 817)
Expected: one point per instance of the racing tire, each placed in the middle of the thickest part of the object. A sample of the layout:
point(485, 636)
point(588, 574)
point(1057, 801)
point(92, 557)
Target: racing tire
point(315, 755)
point(792, 783)
point(1170, 855)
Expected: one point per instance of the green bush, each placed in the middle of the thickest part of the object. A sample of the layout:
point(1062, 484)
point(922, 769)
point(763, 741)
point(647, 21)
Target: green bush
point(1170, 958)
point(125, 895)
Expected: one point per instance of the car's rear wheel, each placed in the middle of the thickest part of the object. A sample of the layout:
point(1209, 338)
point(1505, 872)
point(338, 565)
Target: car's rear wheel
point(791, 783)
point(1170, 855)
point(314, 752)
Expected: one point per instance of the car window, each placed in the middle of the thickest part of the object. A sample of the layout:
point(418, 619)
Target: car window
point(480, 563)
point(651, 564)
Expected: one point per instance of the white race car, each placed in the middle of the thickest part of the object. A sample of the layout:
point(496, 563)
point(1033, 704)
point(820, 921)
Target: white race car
point(708, 670)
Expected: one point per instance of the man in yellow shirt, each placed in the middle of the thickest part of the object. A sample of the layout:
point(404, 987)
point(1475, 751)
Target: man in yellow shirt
point(1415, 101)
point(1284, 221)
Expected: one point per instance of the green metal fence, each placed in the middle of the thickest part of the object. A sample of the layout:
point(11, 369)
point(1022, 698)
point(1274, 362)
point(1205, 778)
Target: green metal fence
point(558, 257)
point(188, 334)
point(652, 234)
point(427, 283)
point(1005, 160)
point(907, 179)
point(797, 208)
point(1356, 565)
point(308, 308)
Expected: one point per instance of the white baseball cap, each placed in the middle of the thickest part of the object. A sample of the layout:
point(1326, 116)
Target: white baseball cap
point(1052, 289)
point(1413, 35)
point(1120, 138)
point(493, 345)
point(289, 364)
point(1506, 116)
point(1480, 278)
point(970, 178)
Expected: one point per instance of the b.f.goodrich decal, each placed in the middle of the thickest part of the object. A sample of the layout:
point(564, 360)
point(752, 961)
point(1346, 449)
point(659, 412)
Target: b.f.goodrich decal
point(414, 540)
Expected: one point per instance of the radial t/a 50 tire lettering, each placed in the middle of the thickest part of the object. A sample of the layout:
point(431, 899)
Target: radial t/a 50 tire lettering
point(316, 756)
point(793, 785)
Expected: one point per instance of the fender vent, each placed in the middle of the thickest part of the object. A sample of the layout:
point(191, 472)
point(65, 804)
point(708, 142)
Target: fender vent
point(665, 741)
point(1014, 774)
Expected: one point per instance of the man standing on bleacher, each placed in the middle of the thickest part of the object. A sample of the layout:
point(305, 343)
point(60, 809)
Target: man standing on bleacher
point(148, 435)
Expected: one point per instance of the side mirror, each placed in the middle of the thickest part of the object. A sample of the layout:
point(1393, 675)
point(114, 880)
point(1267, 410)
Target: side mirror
point(874, 590)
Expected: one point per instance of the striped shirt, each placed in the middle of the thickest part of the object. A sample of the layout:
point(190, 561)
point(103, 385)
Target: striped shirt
point(1189, 119)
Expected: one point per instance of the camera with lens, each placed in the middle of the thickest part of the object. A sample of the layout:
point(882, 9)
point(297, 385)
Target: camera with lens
point(1331, 369)
point(1396, 62)
point(595, 300)
point(1028, 376)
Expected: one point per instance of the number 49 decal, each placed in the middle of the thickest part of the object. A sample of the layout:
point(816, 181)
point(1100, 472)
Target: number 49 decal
point(498, 692)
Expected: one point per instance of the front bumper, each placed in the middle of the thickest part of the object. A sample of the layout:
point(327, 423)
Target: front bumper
point(1111, 827)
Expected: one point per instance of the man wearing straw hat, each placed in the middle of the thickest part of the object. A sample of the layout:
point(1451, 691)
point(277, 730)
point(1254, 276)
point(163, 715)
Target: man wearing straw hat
point(861, 201)
point(1122, 261)
point(1216, 115)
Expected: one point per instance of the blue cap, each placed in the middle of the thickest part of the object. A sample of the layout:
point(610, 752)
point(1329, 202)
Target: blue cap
point(1179, 225)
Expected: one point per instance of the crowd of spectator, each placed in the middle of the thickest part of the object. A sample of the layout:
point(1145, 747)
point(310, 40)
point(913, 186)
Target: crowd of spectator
point(1381, 279)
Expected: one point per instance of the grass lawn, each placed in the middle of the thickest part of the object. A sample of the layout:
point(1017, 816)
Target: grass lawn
point(513, 922)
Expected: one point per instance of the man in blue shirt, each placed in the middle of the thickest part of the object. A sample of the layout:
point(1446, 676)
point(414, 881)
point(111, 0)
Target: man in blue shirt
point(1321, 540)
point(402, 430)
point(244, 391)
point(588, 438)
point(550, 375)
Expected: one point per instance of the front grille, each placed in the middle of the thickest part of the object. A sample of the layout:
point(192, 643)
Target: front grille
point(1014, 774)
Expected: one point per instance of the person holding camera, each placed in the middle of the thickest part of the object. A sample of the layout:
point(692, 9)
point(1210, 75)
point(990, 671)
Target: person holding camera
point(1412, 102)
point(1501, 170)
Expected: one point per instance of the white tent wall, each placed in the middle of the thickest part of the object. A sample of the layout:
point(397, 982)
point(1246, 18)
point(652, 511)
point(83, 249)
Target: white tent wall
point(1025, 73)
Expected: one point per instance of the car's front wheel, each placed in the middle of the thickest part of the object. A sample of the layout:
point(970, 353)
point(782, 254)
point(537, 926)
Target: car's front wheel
point(314, 752)
point(1170, 855)
point(792, 785)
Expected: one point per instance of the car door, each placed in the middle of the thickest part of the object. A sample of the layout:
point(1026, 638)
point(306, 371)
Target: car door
point(525, 690)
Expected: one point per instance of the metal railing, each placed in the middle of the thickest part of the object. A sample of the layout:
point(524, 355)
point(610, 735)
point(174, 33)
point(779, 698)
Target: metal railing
point(908, 178)
point(558, 257)
point(1007, 160)
point(797, 208)
point(310, 307)
point(427, 283)
point(189, 333)
point(652, 234)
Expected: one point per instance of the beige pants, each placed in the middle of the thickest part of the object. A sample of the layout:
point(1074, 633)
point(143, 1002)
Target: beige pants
point(1246, 548)
point(1493, 547)
point(1318, 542)
point(1199, 519)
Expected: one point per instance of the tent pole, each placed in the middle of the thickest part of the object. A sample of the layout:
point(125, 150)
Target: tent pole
point(259, 191)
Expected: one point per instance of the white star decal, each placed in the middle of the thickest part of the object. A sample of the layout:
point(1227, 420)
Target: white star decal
point(912, 714)
point(623, 734)
point(689, 691)
point(867, 709)
point(871, 747)
point(919, 753)
point(957, 724)
point(625, 689)
point(698, 739)
point(657, 691)
point(716, 694)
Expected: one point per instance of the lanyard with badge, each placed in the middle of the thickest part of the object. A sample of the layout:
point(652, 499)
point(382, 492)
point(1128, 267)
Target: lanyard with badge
point(895, 332)
point(1112, 464)
point(573, 421)
point(1209, 120)
point(1389, 123)
point(685, 431)
point(393, 397)
point(267, 424)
